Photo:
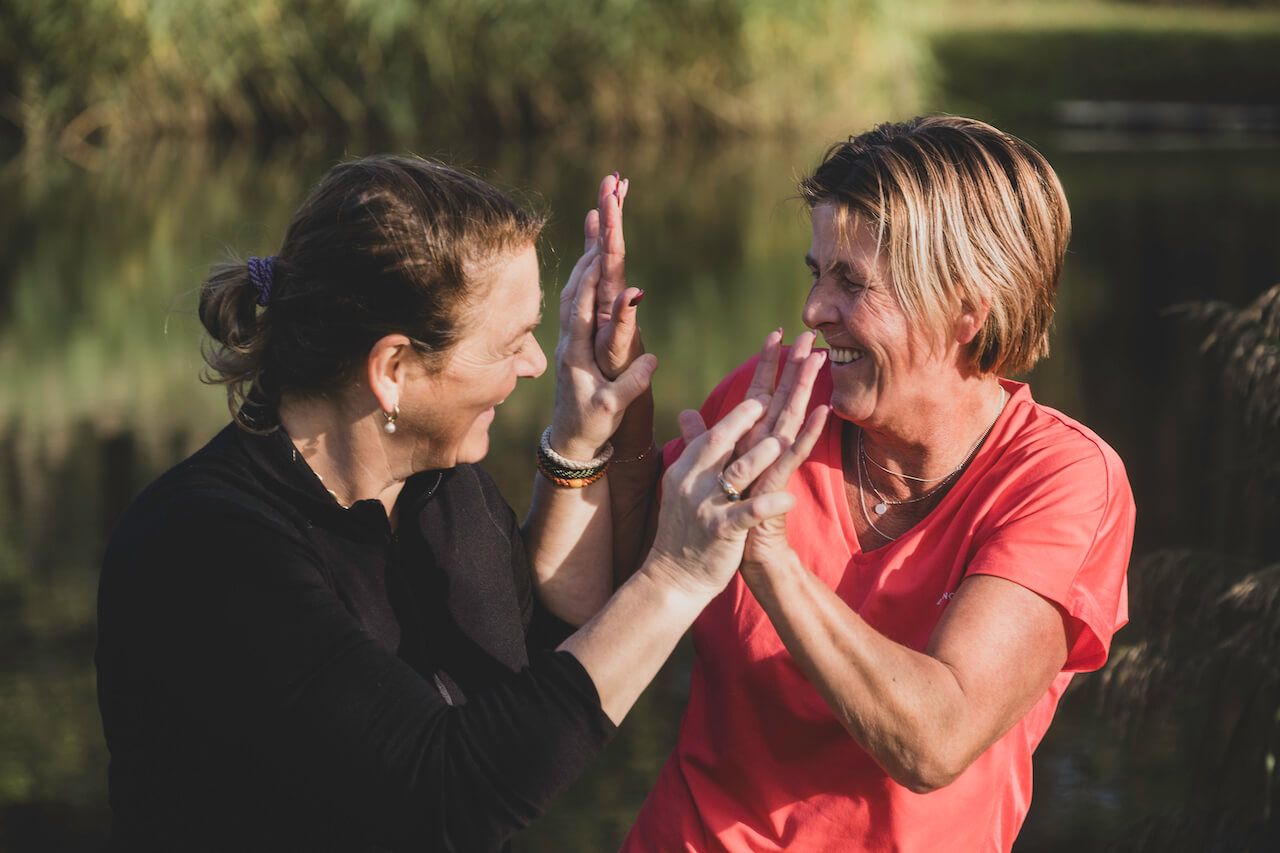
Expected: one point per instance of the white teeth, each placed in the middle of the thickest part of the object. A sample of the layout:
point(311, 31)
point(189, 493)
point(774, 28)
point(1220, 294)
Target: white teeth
point(844, 356)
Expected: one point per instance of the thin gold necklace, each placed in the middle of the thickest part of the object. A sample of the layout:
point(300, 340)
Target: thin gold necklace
point(884, 503)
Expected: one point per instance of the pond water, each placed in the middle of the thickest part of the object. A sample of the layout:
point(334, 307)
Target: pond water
point(99, 359)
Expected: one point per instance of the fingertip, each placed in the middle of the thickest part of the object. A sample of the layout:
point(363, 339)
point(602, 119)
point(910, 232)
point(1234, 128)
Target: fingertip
point(691, 425)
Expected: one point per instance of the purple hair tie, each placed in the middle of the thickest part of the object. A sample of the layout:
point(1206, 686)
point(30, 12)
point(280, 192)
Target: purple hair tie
point(261, 276)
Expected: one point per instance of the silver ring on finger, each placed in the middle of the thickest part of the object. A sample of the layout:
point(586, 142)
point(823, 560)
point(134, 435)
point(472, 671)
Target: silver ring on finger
point(730, 491)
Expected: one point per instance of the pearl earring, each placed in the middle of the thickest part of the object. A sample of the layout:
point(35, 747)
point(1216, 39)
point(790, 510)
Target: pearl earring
point(390, 426)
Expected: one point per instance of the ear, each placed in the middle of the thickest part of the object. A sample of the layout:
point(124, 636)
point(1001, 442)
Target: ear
point(970, 321)
point(386, 369)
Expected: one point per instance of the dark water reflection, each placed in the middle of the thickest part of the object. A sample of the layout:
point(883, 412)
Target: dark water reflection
point(99, 358)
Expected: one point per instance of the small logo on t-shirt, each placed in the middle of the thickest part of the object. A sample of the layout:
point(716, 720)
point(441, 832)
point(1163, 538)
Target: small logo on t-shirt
point(946, 596)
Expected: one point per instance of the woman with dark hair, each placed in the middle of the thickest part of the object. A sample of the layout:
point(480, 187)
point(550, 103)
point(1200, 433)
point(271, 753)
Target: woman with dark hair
point(878, 674)
point(326, 630)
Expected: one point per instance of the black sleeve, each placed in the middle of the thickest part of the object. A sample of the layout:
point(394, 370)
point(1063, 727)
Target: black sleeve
point(259, 649)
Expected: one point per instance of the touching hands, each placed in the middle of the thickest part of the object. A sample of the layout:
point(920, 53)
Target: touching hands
point(785, 423)
point(755, 449)
point(589, 405)
point(617, 340)
point(701, 532)
point(601, 367)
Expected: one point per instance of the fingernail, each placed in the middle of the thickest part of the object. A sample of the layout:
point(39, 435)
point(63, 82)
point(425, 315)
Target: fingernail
point(616, 176)
point(635, 300)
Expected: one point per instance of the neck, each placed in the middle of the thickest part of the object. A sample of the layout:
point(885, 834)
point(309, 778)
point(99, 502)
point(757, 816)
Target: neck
point(348, 451)
point(938, 437)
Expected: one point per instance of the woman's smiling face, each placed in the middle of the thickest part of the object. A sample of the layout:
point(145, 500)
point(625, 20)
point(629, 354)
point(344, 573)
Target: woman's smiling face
point(451, 412)
point(881, 367)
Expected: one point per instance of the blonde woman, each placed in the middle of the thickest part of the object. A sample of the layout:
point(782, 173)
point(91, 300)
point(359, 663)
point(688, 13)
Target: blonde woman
point(880, 671)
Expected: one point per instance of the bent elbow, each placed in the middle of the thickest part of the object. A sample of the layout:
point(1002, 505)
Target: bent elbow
point(929, 773)
point(927, 784)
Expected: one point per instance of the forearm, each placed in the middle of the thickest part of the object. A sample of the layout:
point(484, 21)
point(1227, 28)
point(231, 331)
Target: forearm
point(568, 537)
point(633, 483)
point(626, 643)
point(904, 707)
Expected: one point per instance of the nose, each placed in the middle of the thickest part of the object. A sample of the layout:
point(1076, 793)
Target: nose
point(534, 364)
point(818, 309)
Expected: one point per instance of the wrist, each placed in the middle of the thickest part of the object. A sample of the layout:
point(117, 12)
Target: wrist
point(769, 567)
point(674, 583)
point(571, 446)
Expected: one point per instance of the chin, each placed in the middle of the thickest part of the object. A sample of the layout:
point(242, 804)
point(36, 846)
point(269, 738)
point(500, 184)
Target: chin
point(849, 408)
point(474, 450)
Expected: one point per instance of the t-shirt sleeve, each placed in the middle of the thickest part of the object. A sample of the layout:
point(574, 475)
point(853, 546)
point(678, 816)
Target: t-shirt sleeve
point(262, 653)
point(1064, 530)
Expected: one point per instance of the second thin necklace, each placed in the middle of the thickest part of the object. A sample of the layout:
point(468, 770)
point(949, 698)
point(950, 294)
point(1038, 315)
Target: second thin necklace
point(883, 503)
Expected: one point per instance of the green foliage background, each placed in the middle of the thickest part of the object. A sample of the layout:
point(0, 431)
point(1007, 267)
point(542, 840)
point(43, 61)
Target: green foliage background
point(130, 115)
point(85, 69)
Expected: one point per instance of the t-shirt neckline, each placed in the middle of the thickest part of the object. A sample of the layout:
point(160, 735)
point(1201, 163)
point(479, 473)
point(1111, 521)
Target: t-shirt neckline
point(835, 455)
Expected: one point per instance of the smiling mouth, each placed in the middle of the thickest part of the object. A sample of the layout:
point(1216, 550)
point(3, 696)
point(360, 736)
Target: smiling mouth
point(839, 355)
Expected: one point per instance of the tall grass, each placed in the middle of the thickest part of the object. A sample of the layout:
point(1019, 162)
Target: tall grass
point(85, 72)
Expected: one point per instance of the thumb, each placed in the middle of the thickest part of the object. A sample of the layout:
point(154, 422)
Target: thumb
point(753, 511)
point(635, 380)
point(622, 334)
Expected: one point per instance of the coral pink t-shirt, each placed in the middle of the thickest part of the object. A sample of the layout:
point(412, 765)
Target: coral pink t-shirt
point(762, 764)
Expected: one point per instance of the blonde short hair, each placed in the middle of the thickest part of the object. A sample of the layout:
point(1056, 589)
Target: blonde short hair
point(969, 214)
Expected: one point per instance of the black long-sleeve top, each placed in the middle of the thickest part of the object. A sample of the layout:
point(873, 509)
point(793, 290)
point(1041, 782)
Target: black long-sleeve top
point(276, 672)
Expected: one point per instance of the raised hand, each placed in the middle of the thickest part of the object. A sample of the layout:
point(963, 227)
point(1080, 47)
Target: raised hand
point(792, 390)
point(617, 340)
point(589, 405)
point(784, 423)
point(701, 532)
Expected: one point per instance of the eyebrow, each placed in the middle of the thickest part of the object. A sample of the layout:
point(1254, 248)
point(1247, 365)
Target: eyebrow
point(839, 267)
point(527, 329)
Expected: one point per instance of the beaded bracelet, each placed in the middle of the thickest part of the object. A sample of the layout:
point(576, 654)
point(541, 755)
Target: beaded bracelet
point(572, 483)
point(568, 473)
point(601, 459)
point(548, 467)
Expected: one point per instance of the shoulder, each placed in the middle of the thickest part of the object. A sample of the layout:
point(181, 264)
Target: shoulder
point(202, 506)
point(1042, 448)
point(729, 391)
